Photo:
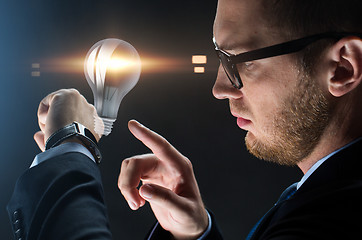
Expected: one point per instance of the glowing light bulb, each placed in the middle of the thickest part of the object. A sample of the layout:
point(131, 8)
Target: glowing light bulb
point(112, 68)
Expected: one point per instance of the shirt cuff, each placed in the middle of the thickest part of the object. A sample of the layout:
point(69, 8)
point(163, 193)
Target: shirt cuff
point(203, 236)
point(208, 228)
point(59, 150)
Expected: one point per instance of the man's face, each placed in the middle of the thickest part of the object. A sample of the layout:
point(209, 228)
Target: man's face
point(282, 108)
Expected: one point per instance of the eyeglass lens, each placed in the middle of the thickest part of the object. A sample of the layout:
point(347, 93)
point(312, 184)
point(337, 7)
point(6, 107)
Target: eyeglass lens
point(230, 70)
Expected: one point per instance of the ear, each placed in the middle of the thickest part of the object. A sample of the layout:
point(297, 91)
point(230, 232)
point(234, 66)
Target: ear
point(346, 73)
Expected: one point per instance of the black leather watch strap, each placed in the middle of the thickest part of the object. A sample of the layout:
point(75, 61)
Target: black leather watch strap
point(75, 130)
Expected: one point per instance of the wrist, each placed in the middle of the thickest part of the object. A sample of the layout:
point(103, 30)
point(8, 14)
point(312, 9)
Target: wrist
point(199, 233)
point(75, 132)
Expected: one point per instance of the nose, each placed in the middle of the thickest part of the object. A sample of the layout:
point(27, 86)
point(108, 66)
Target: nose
point(223, 88)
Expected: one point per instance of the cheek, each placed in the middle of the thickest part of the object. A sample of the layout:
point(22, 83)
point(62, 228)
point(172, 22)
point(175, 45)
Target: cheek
point(263, 101)
point(265, 106)
point(266, 91)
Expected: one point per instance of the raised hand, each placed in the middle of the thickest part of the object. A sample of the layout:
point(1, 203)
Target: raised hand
point(61, 108)
point(168, 184)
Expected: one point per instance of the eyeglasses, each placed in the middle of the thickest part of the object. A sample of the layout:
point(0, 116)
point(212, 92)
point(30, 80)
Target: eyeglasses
point(229, 61)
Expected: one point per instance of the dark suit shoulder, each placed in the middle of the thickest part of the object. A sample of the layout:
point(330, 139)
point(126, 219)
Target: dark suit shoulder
point(61, 198)
point(327, 205)
point(328, 211)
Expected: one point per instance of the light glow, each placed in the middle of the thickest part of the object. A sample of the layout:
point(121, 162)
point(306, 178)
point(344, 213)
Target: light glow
point(117, 63)
point(199, 69)
point(35, 65)
point(35, 74)
point(199, 59)
point(151, 64)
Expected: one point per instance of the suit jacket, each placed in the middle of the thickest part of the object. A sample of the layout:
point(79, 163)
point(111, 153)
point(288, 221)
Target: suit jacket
point(61, 198)
point(327, 206)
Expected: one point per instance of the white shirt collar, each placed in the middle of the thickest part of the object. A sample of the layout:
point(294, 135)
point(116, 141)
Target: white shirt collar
point(317, 164)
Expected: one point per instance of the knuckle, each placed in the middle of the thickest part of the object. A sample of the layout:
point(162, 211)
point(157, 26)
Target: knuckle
point(165, 146)
point(187, 170)
point(120, 184)
point(133, 163)
point(161, 141)
point(125, 163)
point(164, 141)
point(74, 92)
point(57, 97)
point(123, 186)
point(125, 192)
point(92, 108)
point(188, 162)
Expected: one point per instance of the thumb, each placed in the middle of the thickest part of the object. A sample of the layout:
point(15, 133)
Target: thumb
point(175, 213)
point(161, 196)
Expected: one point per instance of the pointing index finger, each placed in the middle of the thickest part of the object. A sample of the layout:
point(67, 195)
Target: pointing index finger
point(158, 145)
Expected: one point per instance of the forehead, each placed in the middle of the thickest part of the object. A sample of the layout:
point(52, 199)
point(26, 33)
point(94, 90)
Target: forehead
point(239, 24)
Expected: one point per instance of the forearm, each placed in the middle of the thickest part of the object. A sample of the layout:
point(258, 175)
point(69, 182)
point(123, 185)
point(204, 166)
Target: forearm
point(61, 198)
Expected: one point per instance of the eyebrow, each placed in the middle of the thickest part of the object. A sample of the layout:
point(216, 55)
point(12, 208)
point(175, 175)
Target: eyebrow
point(235, 46)
point(227, 46)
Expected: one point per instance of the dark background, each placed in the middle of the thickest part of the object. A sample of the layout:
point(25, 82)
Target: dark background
point(178, 104)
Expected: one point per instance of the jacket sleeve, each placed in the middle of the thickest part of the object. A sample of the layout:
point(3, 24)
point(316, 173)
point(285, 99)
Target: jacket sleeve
point(61, 198)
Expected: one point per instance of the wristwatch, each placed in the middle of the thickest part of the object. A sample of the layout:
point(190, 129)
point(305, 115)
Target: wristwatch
point(75, 129)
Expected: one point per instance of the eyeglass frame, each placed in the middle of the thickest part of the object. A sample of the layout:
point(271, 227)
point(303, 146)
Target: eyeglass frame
point(272, 51)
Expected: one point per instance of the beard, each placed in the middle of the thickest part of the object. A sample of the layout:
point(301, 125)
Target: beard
point(297, 128)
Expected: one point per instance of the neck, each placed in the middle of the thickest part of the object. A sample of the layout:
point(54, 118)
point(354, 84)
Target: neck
point(342, 130)
point(323, 149)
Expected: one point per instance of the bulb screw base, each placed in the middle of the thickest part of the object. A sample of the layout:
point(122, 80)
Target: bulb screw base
point(103, 126)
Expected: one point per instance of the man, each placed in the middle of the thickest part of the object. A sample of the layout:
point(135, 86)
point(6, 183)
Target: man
point(299, 101)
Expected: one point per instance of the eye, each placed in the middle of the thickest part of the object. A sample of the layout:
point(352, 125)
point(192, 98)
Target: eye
point(246, 67)
point(248, 64)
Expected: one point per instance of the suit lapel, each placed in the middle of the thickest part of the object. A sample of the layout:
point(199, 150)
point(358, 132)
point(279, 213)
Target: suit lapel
point(343, 165)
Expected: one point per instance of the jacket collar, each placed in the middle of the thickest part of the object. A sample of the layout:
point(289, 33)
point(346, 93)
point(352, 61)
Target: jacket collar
point(344, 165)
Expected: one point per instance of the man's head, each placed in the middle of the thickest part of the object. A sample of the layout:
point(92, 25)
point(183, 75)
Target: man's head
point(291, 103)
point(295, 18)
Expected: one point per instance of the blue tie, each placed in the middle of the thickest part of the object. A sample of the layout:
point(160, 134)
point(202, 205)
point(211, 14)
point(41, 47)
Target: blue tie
point(284, 196)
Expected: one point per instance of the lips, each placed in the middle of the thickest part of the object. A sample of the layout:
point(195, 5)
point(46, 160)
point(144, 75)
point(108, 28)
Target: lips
point(242, 122)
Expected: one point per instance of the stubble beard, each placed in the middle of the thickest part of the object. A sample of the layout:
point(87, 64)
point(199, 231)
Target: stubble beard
point(297, 128)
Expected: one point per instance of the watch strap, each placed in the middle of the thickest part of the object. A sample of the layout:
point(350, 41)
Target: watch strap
point(75, 129)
